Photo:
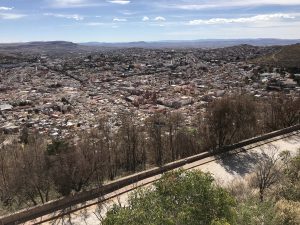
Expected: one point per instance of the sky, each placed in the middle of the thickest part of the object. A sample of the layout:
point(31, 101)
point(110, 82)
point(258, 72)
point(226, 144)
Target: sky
point(147, 20)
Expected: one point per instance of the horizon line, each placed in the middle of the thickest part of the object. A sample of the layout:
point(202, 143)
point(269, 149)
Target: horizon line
point(158, 41)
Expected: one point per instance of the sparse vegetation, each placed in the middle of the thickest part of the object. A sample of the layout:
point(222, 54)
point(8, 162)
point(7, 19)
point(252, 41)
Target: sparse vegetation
point(193, 198)
point(286, 57)
point(53, 168)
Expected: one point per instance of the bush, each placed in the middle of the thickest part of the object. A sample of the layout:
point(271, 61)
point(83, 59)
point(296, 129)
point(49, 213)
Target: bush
point(185, 198)
point(251, 212)
point(288, 212)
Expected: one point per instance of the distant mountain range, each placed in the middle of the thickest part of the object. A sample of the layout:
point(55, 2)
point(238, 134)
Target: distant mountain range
point(203, 43)
point(63, 47)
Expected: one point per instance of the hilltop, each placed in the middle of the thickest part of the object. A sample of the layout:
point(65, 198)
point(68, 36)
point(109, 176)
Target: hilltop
point(50, 48)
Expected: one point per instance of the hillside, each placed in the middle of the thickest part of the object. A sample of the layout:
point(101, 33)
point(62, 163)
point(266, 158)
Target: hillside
point(287, 56)
point(49, 48)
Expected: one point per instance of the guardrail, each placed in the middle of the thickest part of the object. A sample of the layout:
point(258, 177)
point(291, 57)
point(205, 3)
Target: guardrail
point(63, 203)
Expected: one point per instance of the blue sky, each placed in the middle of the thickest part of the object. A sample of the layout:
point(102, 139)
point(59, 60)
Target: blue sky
point(147, 20)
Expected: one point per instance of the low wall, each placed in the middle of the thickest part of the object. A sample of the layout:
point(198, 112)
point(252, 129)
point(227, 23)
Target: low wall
point(56, 205)
point(262, 137)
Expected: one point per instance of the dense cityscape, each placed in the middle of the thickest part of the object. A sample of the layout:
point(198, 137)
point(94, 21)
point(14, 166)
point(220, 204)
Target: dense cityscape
point(138, 112)
point(58, 94)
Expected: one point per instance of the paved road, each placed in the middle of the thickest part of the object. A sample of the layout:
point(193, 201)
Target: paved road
point(237, 166)
point(225, 169)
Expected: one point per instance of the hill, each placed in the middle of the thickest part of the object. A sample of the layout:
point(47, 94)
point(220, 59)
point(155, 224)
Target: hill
point(49, 48)
point(287, 56)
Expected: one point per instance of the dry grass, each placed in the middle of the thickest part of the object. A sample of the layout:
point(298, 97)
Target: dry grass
point(288, 56)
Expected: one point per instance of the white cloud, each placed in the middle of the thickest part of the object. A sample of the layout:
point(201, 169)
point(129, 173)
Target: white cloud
point(145, 18)
point(73, 3)
point(3, 8)
point(68, 2)
point(253, 19)
point(11, 16)
point(98, 24)
point(237, 32)
point(94, 24)
point(127, 13)
point(160, 18)
point(66, 16)
point(119, 20)
point(194, 5)
point(120, 2)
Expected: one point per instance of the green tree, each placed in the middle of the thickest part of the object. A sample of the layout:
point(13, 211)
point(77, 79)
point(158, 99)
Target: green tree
point(181, 198)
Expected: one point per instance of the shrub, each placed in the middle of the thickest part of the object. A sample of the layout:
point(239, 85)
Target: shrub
point(185, 198)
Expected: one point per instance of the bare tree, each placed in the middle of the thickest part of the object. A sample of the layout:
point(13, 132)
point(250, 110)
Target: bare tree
point(267, 173)
point(186, 142)
point(129, 141)
point(24, 172)
point(155, 132)
point(5, 195)
point(282, 111)
point(230, 120)
point(173, 124)
point(78, 164)
point(109, 146)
